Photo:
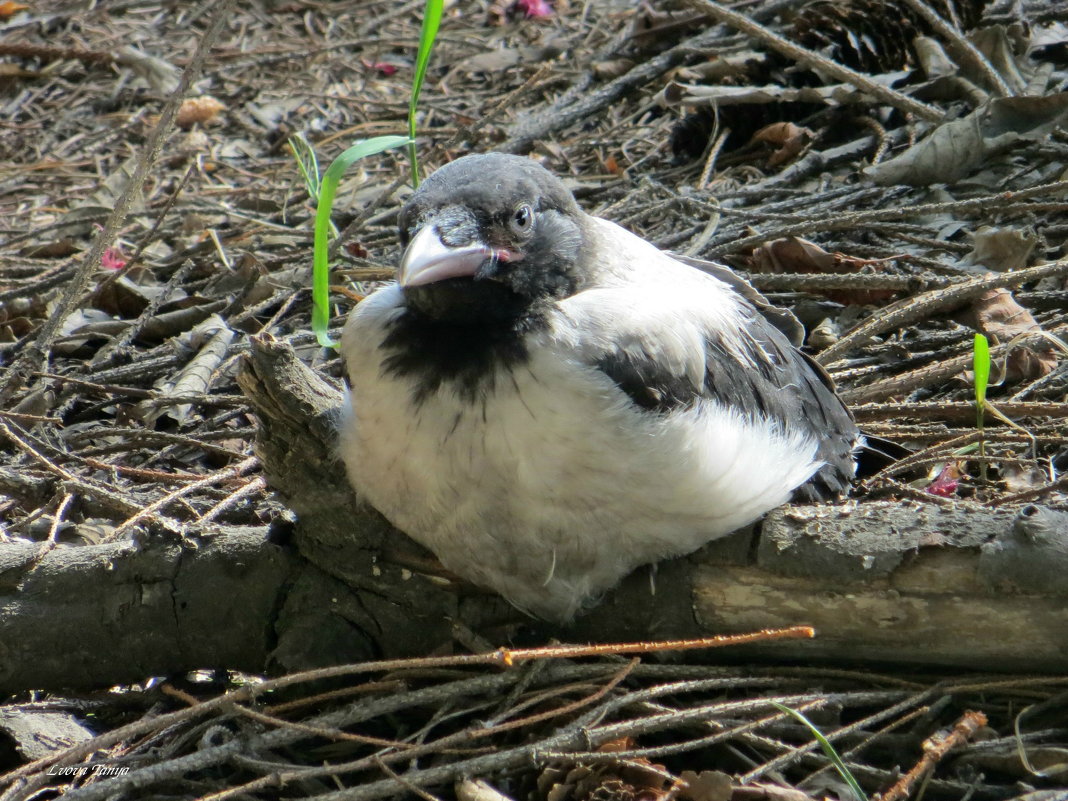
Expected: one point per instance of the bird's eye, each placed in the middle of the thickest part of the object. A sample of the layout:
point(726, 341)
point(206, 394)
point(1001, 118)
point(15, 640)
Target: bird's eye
point(522, 219)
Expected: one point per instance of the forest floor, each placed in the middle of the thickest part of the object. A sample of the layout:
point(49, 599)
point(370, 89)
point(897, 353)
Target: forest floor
point(896, 218)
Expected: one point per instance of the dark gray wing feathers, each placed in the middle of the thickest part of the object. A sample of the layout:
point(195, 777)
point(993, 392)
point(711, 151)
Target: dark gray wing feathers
point(773, 381)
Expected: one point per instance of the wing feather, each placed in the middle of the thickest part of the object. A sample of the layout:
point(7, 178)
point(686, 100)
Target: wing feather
point(673, 337)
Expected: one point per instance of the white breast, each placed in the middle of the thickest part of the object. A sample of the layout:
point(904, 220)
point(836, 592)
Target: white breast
point(555, 486)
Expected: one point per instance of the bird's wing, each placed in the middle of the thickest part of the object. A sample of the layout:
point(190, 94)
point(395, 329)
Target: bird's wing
point(783, 319)
point(670, 337)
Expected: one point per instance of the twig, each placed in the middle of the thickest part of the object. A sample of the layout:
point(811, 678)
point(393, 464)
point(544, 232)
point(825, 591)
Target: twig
point(987, 205)
point(819, 282)
point(166, 500)
point(258, 484)
point(713, 154)
point(1031, 494)
point(86, 487)
point(919, 308)
point(934, 749)
point(407, 785)
point(51, 53)
point(953, 410)
point(511, 656)
point(566, 112)
point(815, 61)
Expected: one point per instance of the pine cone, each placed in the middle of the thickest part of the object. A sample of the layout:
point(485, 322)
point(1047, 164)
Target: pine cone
point(873, 36)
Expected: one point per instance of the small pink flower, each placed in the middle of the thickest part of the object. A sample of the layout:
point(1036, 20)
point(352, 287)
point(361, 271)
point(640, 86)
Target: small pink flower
point(946, 483)
point(381, 67)
point(113, 259)
point(534, 8)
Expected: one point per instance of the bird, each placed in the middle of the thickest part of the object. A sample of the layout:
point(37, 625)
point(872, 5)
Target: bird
point(547, 401)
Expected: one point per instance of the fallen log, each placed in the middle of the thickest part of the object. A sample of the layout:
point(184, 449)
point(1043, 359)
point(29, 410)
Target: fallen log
point(885, 582)
point(881, 581)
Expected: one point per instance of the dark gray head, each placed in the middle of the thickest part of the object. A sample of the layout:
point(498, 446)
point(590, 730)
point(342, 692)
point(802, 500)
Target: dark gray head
point(489, 235)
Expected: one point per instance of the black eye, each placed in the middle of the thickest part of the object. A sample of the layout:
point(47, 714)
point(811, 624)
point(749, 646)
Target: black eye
point(522, 219)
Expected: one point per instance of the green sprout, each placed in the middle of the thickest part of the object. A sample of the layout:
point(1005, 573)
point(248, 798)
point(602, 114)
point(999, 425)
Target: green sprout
point(981, 369)
point(828, 749)
point(323, 191)
point(431, 21)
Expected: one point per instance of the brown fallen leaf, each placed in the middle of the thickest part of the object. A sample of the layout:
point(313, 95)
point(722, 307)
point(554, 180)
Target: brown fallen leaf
point(611, 165)
point(1001, 249)
point(793, 254)
point(195, 110)
point(9, 9)
point(708, 785)
point(1021, 476)
point(997, 314)
point(768, 792)
point(636, 778)
point(788, 139)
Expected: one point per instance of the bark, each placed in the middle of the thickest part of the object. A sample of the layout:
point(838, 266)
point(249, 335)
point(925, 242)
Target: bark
point(881, 582)
point(95, 616)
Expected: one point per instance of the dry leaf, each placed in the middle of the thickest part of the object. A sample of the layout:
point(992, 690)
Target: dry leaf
point(708, 785)
point(796, 255)
point(788, 139)
point(956, 149)
point(1001, 249)
point(613, 68)
point(1020, 476)
point(768, 792)
point(947, 482)
point(195, 110)
point(9, 9)
point(492, 61)
point(997, 314)
point(39, 734)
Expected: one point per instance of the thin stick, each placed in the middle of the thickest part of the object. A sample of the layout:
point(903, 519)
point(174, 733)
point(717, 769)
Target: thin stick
point(915, 309)
point(934, 749)
point(166, 500)
point(508, 656)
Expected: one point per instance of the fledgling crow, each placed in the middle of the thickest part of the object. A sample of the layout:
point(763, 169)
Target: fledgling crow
point(547, 401)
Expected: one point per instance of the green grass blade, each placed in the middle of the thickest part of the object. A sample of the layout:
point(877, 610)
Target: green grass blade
point(431, 21)
point(307, 163)
point(321, 259)
point(981, 371)
point(981, 367)
point(828, 749)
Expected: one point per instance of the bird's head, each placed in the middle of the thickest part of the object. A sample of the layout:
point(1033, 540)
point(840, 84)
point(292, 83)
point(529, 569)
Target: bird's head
point(489, 235)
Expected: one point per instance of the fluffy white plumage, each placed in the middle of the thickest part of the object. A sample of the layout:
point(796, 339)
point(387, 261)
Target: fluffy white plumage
point(552, 484)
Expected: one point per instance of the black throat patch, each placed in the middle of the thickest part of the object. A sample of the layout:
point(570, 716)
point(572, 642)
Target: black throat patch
point(466, 356)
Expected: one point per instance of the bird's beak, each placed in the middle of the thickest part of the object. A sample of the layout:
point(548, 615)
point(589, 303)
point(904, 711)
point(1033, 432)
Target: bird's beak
point(427, 259)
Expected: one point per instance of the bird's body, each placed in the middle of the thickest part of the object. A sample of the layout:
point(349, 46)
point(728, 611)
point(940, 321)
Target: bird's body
point(546, 425)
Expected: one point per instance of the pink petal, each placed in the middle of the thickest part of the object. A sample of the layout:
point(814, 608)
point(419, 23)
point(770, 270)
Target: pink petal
point(381, 67)
point(113, 259)
point(534, 8)
point(946, 484)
